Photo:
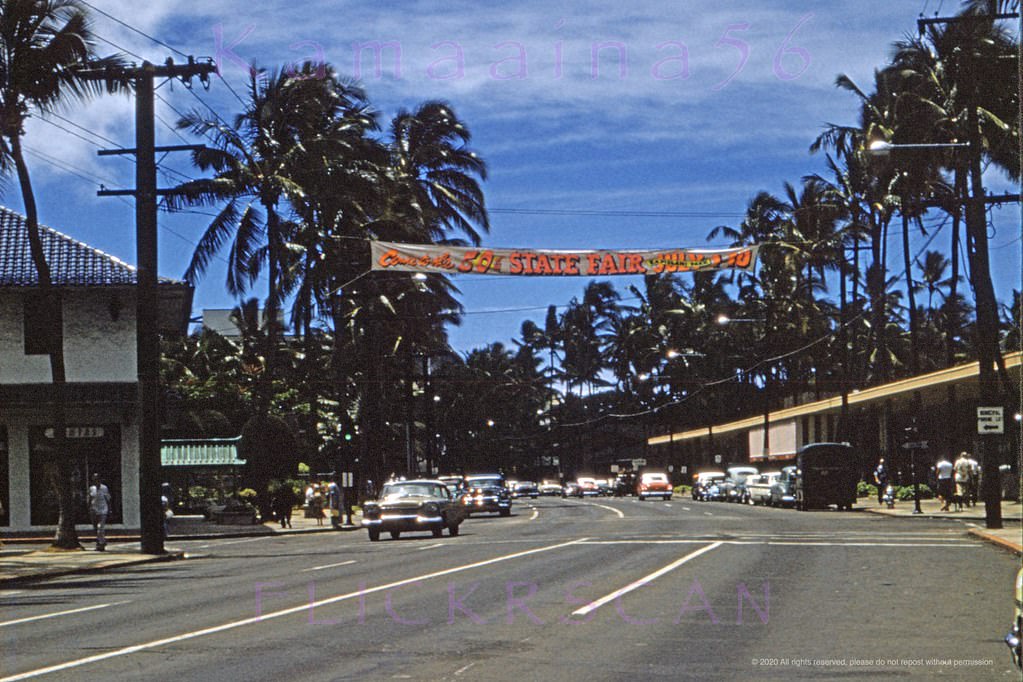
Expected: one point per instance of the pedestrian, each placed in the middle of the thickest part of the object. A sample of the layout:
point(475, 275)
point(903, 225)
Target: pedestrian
point(974, 489)
point(284, 500)
point(963, 474)
point(334, 503)
point(946, 490)
point(99, 509)
point(316, 506)
point(168, 514)
point(881, 479)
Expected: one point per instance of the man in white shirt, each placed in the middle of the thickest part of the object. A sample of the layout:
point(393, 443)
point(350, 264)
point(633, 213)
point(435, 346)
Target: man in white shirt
point(99, 509)
point(944, 470)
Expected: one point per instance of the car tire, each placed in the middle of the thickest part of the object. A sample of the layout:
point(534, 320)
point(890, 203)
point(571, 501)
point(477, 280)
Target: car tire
point(438, 531)
point(453, 530)
point(641, 497)
point(667, 498)
point(506, 512)
point(395, 534)
point(374, 534)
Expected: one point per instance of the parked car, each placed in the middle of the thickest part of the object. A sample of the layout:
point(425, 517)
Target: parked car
point(702, 481)
point(407, 506)
point(1015, 636)
point(550, 488)
point(605, 488)
point(783, 489)
point(759, 487)
point(826, 474)
point(486, 493)
point(526, 489)
point(739, 491)
point(734, 486)
point(653, 484)
point(454, 483)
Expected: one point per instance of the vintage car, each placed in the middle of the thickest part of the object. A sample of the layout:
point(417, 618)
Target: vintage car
point(419, 505)
point(588, 486)
point(1015, 636)
point(486, 493)
point(759, 487)
point(454, 483)
point(702, 483)
point(783, 492)
point(653, 484)
point(550, 488)
point(525, 489)
point(826, 474)
point(571, 489)
point(734, 486)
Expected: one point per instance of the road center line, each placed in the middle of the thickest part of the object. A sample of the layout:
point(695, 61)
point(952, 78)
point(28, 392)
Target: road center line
point(320, 568)
point(439, 544)
point(593, 606)
point(536, 513)
point(275, 614)
point(61, 613)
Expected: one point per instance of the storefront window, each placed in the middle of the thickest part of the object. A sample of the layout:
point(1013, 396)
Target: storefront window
point(90, 449)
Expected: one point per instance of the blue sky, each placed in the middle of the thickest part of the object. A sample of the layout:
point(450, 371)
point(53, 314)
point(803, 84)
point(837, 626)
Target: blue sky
point(564, 124)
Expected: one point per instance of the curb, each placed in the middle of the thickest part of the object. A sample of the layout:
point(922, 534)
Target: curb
point(1013, 547)
point(173, 555)
point(26, 540)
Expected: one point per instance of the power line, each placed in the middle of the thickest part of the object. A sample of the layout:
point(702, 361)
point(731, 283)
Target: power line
point(132, 28)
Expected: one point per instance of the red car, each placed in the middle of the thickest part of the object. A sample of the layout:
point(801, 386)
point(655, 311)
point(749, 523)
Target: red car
point(653, 485)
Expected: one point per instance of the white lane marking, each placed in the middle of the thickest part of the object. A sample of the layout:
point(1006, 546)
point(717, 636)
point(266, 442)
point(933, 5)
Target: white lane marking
point(536, 513)
point(61, 613)
point(787, 543)
point(320, 568)
point(275, 614)
point(593, 606)
point(604, 506)
point(667, 504)
point(463, 669)
point(686, 509)
point(439, 544)
point(707, 514)
point(10, 593)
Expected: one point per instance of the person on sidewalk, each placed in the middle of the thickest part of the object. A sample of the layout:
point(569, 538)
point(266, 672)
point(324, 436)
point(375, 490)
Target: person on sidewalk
point(974, 490)
point(99, 509)
point(284, 500)
point(881, 479)
point(944, 471)
point(963, 474)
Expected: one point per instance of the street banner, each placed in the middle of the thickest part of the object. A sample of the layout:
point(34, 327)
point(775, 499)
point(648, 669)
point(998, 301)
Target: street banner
point(438, 258)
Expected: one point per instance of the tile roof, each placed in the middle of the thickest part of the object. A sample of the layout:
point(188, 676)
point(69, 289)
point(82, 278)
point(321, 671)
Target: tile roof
point(72, 263)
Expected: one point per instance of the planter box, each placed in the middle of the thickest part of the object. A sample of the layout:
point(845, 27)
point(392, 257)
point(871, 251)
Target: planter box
point(234, 518)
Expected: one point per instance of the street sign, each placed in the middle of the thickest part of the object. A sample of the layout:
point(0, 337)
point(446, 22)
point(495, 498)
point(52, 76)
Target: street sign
point(639, 462)
point(614, 468)
point(346, 479)
point(717, 459)
point(916, 445)
point(990, 420)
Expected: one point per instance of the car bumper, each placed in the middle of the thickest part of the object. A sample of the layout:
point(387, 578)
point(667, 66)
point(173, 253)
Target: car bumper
point(403, 522)
point(487, 504)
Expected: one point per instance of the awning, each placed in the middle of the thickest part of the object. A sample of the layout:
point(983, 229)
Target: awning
point(205, 452)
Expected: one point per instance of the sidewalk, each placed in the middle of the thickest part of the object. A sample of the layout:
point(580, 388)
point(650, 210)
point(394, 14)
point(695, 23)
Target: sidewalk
point(20, 563)
point(1010, 537)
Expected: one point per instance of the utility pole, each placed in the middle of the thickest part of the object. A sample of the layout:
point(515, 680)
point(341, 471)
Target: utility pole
point(147, 298)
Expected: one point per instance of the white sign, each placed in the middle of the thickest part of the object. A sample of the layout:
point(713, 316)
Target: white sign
point(684, 469)
point(717, 459)
point(990, 420)
point(614, 468)
point(346, 480)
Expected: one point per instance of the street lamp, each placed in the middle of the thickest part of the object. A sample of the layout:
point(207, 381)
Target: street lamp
point(884, 148)
point(725, 319)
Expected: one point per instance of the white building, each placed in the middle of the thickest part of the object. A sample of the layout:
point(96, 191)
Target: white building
point(97, 314)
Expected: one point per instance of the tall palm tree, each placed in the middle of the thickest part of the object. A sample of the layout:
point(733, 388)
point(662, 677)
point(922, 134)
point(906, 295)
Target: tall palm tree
point(252, 161)
point(42, 44)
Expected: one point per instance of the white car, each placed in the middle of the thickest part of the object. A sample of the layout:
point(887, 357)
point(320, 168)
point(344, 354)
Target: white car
point(759, 487)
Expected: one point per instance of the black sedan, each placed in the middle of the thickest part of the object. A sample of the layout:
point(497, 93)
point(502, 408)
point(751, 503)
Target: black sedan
point(486, 493)
point(421, 505)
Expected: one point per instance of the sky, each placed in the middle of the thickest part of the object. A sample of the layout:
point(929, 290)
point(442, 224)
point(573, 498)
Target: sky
point(603, 124)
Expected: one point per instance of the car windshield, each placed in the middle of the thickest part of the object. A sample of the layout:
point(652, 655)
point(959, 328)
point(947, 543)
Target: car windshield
point(396, 491)
point(484, 481)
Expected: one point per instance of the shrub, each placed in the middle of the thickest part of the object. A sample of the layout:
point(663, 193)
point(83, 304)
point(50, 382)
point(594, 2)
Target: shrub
point(683, 490)
point(905, 492)
point(864, 489)
point(246, 495)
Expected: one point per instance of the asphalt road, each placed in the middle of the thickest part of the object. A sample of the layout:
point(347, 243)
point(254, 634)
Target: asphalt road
point(602, 589)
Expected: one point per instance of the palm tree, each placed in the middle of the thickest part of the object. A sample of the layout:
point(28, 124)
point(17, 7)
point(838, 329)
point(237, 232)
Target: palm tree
point(42, 44)
point(252, 161)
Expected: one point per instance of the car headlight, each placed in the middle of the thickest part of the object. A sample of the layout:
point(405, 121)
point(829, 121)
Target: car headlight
point(431, 509)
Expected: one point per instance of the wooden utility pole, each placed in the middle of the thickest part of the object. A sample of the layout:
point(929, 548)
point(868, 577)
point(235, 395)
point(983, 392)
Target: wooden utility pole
point(147, 298)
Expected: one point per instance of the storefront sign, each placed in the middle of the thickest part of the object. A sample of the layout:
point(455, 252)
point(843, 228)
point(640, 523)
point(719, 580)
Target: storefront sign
point(438, 258)
point(79, 432)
